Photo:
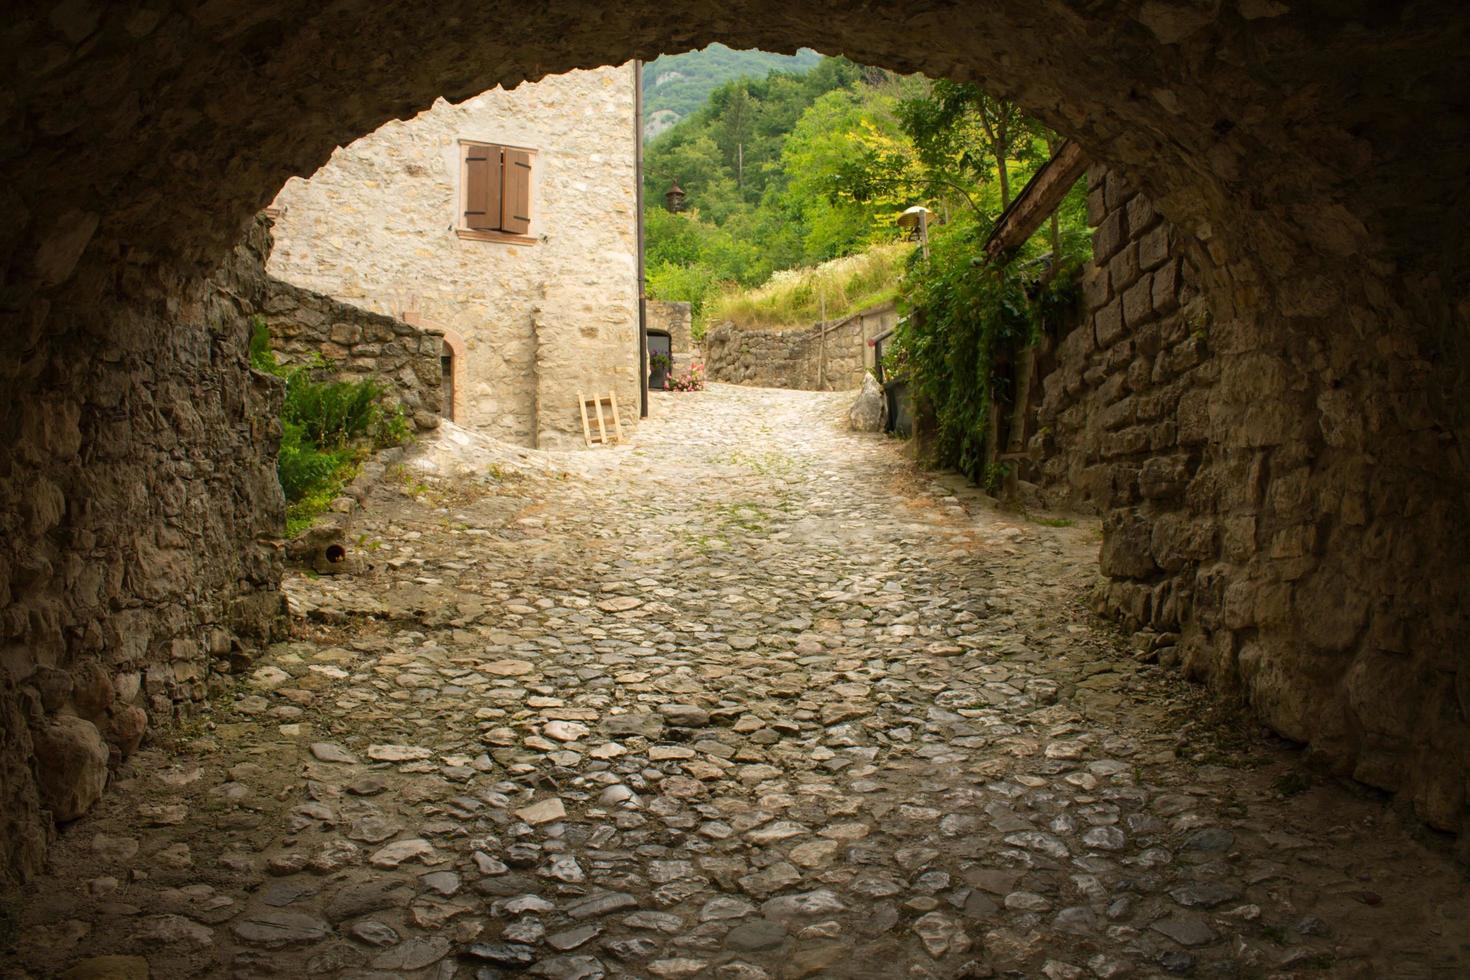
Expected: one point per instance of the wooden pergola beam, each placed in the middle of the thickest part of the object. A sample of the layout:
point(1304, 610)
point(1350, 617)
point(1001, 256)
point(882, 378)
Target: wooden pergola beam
point(1041, 196)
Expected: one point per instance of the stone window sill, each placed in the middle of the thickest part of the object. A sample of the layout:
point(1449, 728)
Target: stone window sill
point(474, 235)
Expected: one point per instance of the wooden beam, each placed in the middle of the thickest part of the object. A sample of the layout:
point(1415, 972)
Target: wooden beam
point(1037, 200)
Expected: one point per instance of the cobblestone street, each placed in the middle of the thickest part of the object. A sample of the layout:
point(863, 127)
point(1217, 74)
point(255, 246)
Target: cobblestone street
point(750, 698)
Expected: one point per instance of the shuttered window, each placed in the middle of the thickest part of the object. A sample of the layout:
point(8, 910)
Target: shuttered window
point(495, 194)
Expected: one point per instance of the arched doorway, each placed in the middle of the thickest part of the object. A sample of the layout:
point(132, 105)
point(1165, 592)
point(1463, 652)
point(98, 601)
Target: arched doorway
point(660, 359)
point(452, 364)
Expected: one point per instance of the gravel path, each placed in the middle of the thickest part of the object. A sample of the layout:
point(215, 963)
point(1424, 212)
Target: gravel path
point(752, 698)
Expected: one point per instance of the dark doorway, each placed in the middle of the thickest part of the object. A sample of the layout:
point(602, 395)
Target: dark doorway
point(660, 359)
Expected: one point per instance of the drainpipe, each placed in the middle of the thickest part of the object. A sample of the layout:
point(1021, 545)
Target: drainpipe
point(638, 178)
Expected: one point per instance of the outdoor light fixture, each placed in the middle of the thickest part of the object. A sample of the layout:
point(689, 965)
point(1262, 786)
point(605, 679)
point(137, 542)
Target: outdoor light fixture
point(916, 221)
point(674, 197)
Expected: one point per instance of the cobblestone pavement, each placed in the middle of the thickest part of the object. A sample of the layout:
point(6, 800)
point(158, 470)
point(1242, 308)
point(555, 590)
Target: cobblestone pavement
point(752, 698)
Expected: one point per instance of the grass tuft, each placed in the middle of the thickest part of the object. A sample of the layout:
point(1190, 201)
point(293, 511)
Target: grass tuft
point(797, 298)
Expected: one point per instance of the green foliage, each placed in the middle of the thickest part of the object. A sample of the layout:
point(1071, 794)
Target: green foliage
point(334, 413)
point(700, 72)
point(758, 162)
point(800, 297)
point(968, 318)
point(327, 429)
point(790, 173)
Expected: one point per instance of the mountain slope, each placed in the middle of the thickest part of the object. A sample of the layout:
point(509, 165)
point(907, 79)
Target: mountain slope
point(674, 85)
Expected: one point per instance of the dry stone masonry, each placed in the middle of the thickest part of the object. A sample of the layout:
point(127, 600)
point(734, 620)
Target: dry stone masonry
point(353, 344)
point(1310, 162)
point(140, 563)
point(831, 356)
point(1231, 522)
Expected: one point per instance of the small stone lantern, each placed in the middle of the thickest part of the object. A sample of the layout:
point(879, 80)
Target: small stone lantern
point(674, 197)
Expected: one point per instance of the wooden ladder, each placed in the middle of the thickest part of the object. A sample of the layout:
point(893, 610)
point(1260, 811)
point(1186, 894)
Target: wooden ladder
point(600, 437)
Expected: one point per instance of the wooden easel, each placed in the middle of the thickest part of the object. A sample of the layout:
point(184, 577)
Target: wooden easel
point(600, 437)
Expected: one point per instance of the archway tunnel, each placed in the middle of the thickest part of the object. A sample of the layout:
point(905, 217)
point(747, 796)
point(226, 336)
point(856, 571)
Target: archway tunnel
point(1310, 157)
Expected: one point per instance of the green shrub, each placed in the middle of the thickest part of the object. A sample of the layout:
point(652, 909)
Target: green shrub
point(966, 317)
point(327, 428)
point(332, 413)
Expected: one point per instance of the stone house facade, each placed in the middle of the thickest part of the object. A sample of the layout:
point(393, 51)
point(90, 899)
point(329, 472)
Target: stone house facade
point(508, 222)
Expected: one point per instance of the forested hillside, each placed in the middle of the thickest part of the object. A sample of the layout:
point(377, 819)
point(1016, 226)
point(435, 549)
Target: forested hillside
point(790, 171)
point(675, 85)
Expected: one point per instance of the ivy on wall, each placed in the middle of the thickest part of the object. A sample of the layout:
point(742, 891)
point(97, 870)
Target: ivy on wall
point(967, 323)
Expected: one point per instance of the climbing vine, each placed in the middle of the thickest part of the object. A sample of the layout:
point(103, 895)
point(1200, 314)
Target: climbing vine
point(967, 320)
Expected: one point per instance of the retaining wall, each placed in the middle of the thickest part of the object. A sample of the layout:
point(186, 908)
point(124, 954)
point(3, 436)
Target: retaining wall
point(830, 356)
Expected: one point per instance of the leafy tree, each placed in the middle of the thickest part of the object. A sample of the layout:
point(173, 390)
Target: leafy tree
point(682, 82)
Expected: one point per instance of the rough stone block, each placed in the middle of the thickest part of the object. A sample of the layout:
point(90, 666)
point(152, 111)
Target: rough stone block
point(1097, 208)
point(1118, 415)
point(1178, 539)
point(1109, 237)
point(1163, 476)
point(71, 765)
point(1193, 415)
point(1096, 290)
point(1141, 215)
point(1154, 247)
point(1119, 357)
point(1107, 324)
point(1165, 282)
point(1118, 189)
point(1138, 306)
point(1123, 270)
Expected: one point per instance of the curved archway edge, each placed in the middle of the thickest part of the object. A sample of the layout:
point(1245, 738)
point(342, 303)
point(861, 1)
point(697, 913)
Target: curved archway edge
point(1312, 163)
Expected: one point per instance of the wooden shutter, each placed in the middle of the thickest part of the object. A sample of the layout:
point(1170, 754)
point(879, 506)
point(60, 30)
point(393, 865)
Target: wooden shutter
point(482, 187)
point(515, 207)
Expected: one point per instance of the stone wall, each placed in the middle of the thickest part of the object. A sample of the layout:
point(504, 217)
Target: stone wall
point(674, 319)
point(140, 553)
point(358, 345)
point(376, 227)
point(824, 357)
point(1262, 507)
point(1328, 231)
point(1126, 383)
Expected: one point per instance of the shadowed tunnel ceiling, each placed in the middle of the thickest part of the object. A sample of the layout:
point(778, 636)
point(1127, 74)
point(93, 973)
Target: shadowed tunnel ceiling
point(1255, 123)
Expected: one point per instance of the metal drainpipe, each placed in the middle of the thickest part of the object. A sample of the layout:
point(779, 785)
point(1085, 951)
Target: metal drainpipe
point(642, 298)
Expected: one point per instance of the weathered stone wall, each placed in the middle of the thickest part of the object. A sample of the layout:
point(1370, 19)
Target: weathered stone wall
point(376, 227)
point(824, 357)
point(354, 344)
point(674, 319)
point(139, 555)
point(1262, 504)
point(1129, 380)
point(597, 358)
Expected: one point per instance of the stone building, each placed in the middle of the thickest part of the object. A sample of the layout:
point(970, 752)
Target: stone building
point(508, 222)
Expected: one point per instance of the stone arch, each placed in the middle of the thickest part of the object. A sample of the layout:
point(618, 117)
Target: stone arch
point(1312, 162)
